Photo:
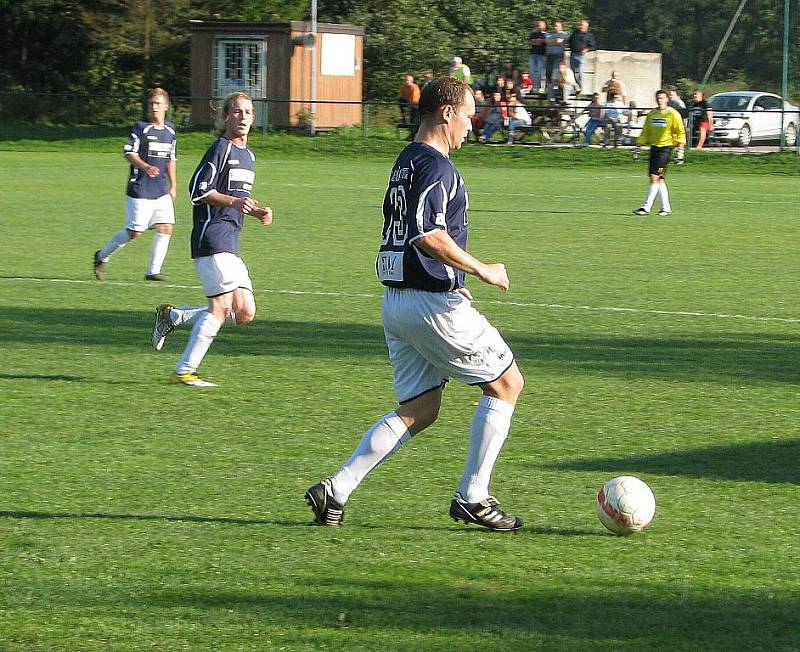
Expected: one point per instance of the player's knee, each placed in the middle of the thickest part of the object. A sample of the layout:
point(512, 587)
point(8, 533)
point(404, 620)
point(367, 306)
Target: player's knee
point(245, 316)
point(134, 235)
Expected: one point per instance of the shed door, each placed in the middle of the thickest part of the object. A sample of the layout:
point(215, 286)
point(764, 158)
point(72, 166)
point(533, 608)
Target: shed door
point(242, 66)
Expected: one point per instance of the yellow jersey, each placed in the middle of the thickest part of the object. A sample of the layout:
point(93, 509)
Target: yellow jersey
point(663, 129)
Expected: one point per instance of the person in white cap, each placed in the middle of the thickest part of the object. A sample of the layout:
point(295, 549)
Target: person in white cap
point(460, 70)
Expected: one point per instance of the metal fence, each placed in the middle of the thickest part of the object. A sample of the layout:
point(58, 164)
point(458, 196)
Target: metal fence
point(562, 123)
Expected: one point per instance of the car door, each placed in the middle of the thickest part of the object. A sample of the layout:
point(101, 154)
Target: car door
point(766, 117)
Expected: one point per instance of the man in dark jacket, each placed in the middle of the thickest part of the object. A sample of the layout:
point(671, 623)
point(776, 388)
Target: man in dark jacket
point(581, 41)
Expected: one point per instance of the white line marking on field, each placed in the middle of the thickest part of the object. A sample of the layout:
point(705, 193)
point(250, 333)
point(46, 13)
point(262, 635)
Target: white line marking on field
point(355, 295)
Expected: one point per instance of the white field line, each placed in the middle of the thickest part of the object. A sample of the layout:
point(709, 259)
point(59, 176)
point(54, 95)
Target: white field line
point(515, 304)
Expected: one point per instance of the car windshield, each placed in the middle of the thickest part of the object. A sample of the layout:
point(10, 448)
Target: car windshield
point(729, 102)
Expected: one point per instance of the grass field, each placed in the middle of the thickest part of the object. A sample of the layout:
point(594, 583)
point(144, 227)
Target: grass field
point(139, 515)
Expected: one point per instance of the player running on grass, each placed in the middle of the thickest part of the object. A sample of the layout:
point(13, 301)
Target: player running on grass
point(663, 129)
point(431, 329)
point(151, 152)
point(220, 191)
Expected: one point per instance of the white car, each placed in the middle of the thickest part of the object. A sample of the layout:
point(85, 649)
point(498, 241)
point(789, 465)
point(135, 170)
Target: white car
point(741, 117)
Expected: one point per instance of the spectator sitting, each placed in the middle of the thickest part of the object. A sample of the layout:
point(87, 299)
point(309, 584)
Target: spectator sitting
point(482, 113)
point(488, 80)
point(497, 117)
point(596, 113)
point(563, 85)
point(525, 84)
point(427, 78)
point(511, 90)
point(408, 99)
point(614, 85)
point(510, 71)
point(518, 116)
point(614, 113)
point(460, 70)
point(499, 85)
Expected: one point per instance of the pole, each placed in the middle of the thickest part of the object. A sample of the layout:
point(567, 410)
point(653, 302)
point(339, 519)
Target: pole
point(722, 44)
point(785, 71)
point(312, 114)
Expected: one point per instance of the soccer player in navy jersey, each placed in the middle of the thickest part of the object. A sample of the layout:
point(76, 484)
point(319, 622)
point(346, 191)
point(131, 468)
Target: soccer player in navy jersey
point(220, 192)
point(151, 153)
point(432, 331)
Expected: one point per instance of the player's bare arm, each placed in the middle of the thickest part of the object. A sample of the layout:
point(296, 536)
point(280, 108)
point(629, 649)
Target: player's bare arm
point(173, 179)
point(246, 205)
point(136, 161)
point(443, 248)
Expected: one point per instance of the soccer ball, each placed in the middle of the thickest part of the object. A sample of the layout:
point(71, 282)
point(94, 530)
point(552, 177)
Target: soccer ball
point(625, 505)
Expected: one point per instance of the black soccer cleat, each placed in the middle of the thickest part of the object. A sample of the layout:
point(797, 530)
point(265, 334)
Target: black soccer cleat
point(99, 267)
point(326, 510)
point(154, 277)
point(486, 513)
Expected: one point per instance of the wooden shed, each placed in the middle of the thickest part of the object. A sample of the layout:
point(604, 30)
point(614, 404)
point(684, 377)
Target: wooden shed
point(275, 64)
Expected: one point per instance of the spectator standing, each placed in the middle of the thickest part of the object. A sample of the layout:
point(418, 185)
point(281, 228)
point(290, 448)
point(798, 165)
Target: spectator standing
point(581, 41)
point(554, 50)
point(615, 85)
point(537, 59)
point(408, 99)
point(596, 113)
point(460, 70)
point(151, 153)
point(702, 118)
point(427, 78)
point(675, 101)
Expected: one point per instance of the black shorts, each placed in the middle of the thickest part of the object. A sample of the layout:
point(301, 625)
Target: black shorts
point(659, 159)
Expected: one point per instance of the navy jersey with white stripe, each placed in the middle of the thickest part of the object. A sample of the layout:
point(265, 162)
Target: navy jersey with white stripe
point(230, 170)
point(425, 194)
point(155, 146)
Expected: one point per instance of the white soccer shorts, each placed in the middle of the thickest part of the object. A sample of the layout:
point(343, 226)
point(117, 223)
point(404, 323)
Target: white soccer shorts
point(433, 336)
point(143, 214)
point(222, 273)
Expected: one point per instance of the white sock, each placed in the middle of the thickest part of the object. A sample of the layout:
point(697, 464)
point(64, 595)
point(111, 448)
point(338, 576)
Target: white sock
point(379, 443)
point(489, 430)
point(664, 194)
point(158, 252)
point(186, 315)
point(205, 329)
point(120, 239)
point(652, 191)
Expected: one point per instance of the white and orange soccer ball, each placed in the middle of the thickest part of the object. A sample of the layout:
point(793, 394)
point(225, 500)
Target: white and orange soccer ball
point(626, 505)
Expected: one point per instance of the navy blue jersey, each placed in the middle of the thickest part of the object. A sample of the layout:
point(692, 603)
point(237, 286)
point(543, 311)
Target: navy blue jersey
point(155, 146)
point(425, 194)
point(230, 170)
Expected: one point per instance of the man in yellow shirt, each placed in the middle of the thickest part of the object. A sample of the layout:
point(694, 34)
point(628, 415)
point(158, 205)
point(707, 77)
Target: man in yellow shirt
point(663, 129)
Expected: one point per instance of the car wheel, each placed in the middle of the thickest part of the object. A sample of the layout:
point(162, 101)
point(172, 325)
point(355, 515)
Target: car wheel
point(745, 135)
point(790, 135)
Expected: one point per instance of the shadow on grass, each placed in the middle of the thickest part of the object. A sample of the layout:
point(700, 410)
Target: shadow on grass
point(776, 461)
point(739, 357)
point(184, 518)
point(650, 617)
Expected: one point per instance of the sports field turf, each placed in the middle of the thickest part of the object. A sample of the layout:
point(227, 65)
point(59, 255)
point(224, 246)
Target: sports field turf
point(140, 515)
